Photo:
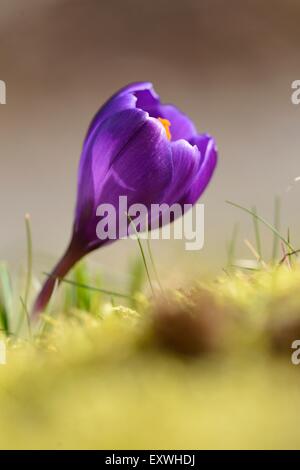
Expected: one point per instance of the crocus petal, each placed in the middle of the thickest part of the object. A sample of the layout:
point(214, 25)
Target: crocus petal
point(186, 161)
point(143, 96)
point(138, 87)
point(125, 98)
point(142, 171)
point(181, 126)
point(101, 148)
point(209, 157)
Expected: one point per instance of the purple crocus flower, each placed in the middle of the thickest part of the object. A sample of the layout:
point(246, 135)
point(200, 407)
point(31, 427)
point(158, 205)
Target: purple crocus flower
point(141, 148)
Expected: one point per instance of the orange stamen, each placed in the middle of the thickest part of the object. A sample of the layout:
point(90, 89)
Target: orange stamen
point(167, 126)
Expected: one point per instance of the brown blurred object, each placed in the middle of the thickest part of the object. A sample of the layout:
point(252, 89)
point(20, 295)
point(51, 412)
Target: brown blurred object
point(283, 334)
point(189, 325)
point(283, 326)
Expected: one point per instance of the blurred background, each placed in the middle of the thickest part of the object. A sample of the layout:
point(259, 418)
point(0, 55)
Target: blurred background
point(228, 64)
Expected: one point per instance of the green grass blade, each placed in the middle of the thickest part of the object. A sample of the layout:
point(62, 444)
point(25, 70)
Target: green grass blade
point(27, 316)
point(29, 260)
point(142, 253)
point(154, 264)
point(137, 279)
point(257, 232)
point(81, 297)
point(92, 288)
point(276, 226)
point(231, 247)
point(4, 321)
point(263, 221)
point(6, 297)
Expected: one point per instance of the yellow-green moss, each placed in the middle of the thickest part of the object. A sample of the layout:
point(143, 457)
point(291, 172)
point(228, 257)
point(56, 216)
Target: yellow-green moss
point(106, 382)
